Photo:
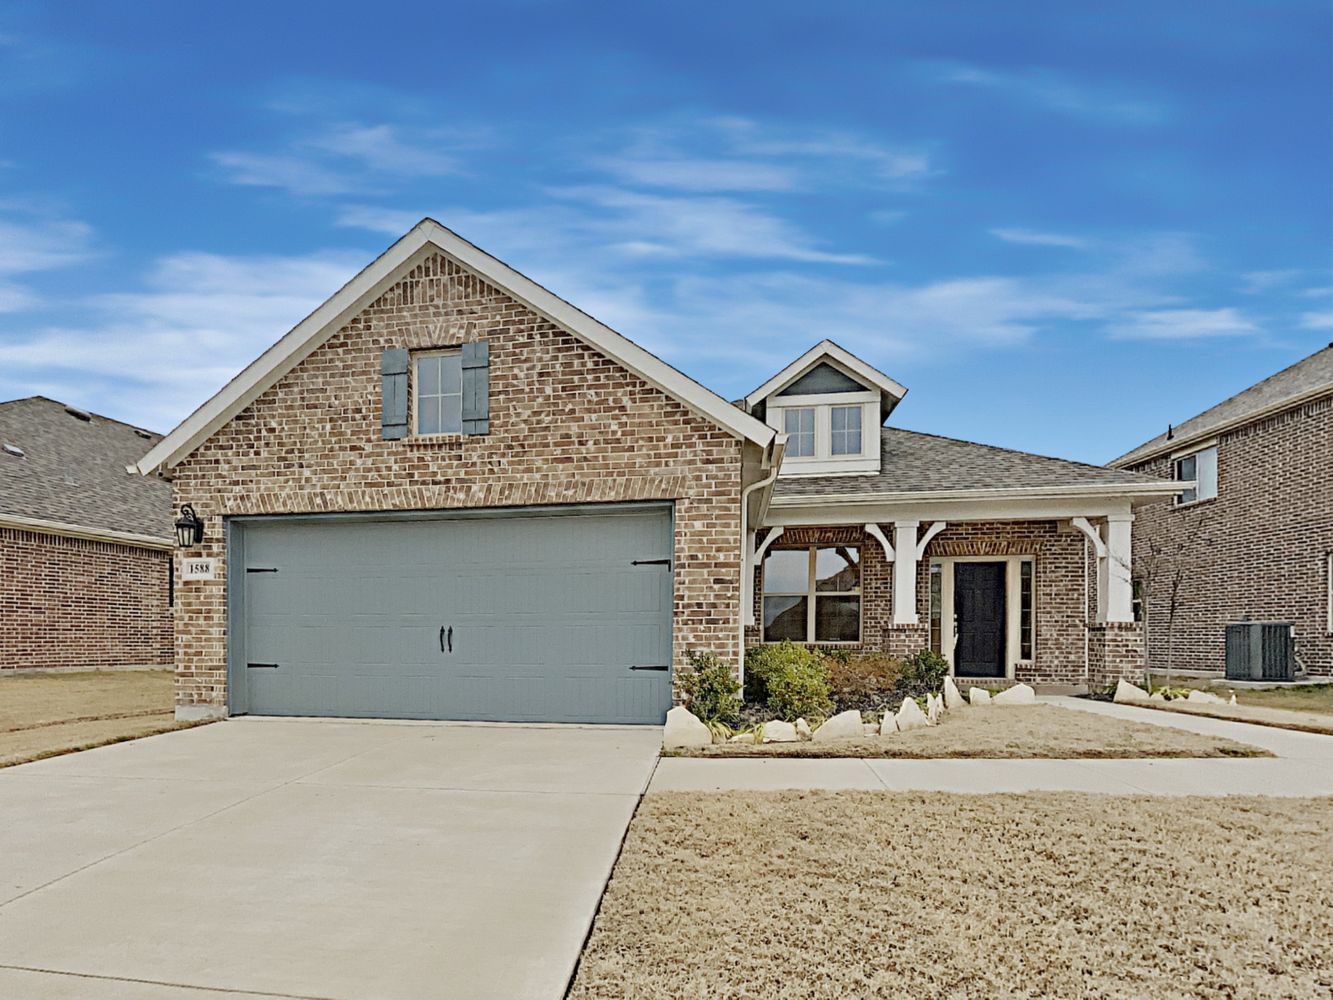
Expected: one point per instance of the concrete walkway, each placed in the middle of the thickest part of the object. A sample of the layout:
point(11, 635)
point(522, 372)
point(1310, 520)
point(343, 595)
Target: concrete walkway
point(314, 859)
point(1303, 767)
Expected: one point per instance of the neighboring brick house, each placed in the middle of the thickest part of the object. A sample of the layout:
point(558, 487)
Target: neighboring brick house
point(450, 494)
point(85, 544)
point(1252, 536)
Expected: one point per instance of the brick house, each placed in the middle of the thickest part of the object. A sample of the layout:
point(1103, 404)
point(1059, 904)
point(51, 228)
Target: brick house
point(449, 493)
point(85, 545)
point(1251, 538)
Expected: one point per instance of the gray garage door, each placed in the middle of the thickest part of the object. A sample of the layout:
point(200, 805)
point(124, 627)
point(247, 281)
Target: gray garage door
point(531, 618)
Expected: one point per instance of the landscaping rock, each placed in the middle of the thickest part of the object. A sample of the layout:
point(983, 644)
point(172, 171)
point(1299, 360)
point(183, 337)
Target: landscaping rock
point(978, 696)
point(843, 726)
point(934, 706)
point(952, 699)
point(1019, 694)
point(1204, 697)
point(684, 730)
point(910, 716)
point(1125, 691)
point(778, 731)
point(1233, 698)
point(1157, 696)
point(803, 729)
point(870, 728)
point(888, 725)
point(742, 738)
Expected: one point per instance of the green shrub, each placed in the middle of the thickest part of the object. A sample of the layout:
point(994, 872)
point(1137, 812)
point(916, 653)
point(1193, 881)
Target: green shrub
point(924, 671)
point(863, 681)
point(791, 680)
point(800, 691)
point(711, 690)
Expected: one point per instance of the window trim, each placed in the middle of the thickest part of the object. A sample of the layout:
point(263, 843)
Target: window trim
point(1194, 453)
point(414, 383)
point(814, 431)
point(824, 460)
point(812, 595)
point(860, 411)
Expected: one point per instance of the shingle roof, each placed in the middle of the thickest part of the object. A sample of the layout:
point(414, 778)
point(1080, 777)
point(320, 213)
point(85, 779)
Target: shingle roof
point(913, 462)
point(72, 470)
point(1305, 377)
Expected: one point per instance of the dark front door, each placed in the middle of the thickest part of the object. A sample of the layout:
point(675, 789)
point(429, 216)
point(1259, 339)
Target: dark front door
point(978, 603)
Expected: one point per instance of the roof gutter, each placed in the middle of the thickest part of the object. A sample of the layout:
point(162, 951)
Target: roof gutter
point(1151, 488)
point(40, 527)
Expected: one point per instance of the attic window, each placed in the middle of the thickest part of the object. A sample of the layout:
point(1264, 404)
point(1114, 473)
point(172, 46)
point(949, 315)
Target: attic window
point(13, 449)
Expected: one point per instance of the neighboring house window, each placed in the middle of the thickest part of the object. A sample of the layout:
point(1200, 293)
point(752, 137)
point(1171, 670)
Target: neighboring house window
point(1026, 632)
point(799, 425)
point(846, 430)
point(1137, 602)
point(1201, 468)
point(813, 594)
point(437, 394)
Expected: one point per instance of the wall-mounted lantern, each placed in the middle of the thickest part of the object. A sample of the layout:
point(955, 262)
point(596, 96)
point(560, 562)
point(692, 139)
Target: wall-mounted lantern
point(189, 529)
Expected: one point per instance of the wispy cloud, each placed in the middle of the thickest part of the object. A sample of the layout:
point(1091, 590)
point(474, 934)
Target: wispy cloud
point(343, 157)
point(1182, 324)
point(1057, 92)
point(1261, 282)
point(199, 317)
point(1033, 237)
point(31, 243)
point(1317, 320)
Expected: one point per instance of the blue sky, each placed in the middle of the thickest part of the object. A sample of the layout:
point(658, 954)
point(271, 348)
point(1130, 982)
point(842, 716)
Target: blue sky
point(1060, 225)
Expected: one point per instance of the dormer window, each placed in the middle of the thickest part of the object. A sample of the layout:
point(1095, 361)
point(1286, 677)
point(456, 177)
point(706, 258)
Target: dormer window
point(845, 430)
point(799, 425)
point(829, 404)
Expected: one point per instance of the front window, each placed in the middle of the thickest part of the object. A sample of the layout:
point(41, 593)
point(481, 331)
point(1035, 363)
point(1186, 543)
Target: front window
point(936, 608)
point(437, 394)
point(1201, 469)
point(799, 426)
point(846, 430)
point(813, 594)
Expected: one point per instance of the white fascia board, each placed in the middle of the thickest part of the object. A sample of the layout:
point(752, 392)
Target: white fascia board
point(1149, 489)
point(827, 350)
point(41, 527)
point(424, 237)
point(953, 512)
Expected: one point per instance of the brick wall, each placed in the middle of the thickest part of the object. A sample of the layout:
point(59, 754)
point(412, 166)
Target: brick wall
point(1115, 651)
point(567, 425)
point(75, 603)
point(1061, 579)
point(1259, 550)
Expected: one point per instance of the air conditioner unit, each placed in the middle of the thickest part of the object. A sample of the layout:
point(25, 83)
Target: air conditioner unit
point(1260, 651)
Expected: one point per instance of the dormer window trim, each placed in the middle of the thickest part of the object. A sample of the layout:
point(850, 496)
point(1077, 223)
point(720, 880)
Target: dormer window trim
point(824, 460)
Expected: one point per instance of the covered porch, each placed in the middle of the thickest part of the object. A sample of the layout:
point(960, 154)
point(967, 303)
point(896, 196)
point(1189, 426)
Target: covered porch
point(1021, 588)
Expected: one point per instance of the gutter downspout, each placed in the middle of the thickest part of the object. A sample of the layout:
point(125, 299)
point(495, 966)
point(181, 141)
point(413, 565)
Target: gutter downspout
point(772, 460)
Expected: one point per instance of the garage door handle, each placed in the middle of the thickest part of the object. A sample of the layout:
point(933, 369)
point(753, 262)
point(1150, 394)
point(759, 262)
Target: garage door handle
point(650, 562)
point(662, 667)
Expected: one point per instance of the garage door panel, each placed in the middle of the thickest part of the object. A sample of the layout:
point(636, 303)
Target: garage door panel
point(547, 616)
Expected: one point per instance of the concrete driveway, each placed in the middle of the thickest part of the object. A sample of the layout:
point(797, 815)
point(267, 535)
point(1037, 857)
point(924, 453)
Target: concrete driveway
point(313, 859)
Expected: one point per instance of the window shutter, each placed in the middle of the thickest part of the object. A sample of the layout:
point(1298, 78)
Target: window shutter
point(476, 388)
point(393, 391)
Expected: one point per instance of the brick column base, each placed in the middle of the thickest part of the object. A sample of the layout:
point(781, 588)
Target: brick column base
point(1115, 651)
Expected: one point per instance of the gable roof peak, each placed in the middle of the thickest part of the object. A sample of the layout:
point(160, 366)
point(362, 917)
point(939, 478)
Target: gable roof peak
point(379, 275)
point(828, 352)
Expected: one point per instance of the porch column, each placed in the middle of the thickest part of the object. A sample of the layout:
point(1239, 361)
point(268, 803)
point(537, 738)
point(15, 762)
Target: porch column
point(905, 559)
point(1118, 570)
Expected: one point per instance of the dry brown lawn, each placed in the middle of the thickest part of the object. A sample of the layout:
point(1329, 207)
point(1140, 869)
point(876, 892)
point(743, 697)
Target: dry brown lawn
point(822, 895)
point(1316, 698)
point(42, 715)
point(1008, 731)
